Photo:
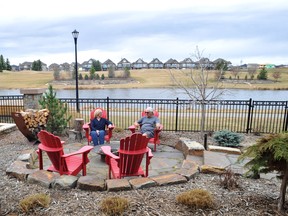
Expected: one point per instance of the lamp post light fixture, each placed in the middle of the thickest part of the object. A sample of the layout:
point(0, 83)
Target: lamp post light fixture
point(75, 36)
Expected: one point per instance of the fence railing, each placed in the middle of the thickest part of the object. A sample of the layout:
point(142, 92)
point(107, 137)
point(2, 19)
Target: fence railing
point(242, 116)
point(9, 104)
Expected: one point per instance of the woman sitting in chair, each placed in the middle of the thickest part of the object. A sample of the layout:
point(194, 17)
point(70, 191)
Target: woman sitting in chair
point(98, 125)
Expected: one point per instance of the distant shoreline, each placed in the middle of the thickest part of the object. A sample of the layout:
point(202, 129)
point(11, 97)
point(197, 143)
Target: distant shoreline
point(148, 78)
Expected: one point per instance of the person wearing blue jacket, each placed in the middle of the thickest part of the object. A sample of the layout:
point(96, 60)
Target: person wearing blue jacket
point(98, 125)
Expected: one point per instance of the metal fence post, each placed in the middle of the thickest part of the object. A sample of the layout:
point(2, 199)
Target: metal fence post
point(177, 112)
point(107, 107)
point(248, 127)
point(205, 142)
point(285, 125)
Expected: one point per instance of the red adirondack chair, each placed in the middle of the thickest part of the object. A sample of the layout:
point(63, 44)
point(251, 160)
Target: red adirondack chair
point(68, 164)
point(154, 140)
point(130, 154)
point(87, 127)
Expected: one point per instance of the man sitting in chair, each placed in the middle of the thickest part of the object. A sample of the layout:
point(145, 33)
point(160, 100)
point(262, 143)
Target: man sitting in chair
point(148, 123)
point(98, 125)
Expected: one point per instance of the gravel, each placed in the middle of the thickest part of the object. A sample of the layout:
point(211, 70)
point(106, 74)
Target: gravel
point(251, 197)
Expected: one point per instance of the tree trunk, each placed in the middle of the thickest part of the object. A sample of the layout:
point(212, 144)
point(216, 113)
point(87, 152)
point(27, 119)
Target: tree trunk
point(203, 115)
point(283, 187)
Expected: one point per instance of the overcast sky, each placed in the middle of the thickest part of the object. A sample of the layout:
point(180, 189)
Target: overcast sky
point(240, 31)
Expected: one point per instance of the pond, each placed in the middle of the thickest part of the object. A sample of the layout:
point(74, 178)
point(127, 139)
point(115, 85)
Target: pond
point(163, 93)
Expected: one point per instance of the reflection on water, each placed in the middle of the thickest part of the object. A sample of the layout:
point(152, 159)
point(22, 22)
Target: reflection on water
point(163, 93)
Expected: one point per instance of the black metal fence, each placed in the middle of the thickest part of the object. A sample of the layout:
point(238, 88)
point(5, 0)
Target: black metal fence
point(10, 104)
point(242, 116)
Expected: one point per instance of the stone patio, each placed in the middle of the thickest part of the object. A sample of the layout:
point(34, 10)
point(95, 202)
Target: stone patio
point(170, 165)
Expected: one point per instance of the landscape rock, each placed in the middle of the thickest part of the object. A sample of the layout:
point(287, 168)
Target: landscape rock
point(65, 182)
point(19, 170)
point(91, 182)
point(169, 179)
point(43, 178)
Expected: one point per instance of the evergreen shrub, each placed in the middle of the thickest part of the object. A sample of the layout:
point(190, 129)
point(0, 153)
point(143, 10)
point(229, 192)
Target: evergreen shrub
point(227, 138)
point(57, 120)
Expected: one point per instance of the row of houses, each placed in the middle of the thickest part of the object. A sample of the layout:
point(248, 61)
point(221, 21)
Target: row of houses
point(124, 63)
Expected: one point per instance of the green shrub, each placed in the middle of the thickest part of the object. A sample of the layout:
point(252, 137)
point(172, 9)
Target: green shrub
point(196, 198)
point(227, 138)
point(57, 120)
point(114, 205)
point(263, 74)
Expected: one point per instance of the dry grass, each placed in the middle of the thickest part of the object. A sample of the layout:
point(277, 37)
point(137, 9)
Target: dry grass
point(25, 79)
point(196, 198)
point(35, 200)
point(147, 78)
point(114, 205)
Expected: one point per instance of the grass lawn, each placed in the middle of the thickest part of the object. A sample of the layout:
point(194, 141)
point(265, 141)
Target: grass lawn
point(146, 78)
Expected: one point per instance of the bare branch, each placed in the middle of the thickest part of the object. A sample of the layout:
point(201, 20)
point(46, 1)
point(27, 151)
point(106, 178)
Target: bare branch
point(196, 83)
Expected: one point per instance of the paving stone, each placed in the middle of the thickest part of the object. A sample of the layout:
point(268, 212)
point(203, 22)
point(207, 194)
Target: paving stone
point(65, 182)
point(197, 159)
point(91, 183)
point(189, 169)
point(211, 169)
point(6, 128)
point(169, 154)
point(216, 159)
point(228, 150)
point(270, 176)
point(163, 171)
point(19, 170)
point(238, 169)
point(138, 183)
point(169, 179)
point(118, 184)
point(43, 178)
point(160, 163)
point(168, 166)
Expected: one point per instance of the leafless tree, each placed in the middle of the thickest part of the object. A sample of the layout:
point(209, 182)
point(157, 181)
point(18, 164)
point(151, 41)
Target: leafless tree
point(235, 71)
point(252, 68)
point(195, 83)
point(276, 75)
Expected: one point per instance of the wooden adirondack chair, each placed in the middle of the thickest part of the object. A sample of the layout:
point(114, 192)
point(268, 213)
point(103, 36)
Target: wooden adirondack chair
point(130, 154)
point(68, 164)
point(155, 140)
point(87, 128)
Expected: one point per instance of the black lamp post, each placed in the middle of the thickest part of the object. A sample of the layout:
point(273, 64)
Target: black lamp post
point(75, 36)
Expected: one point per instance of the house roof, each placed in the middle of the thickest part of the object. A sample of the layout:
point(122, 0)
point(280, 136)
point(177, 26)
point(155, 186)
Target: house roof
point(172, 61)
point(108, 61)
point(123, 60)
point(140, 61)
point(156, 60)
point(186, 60)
